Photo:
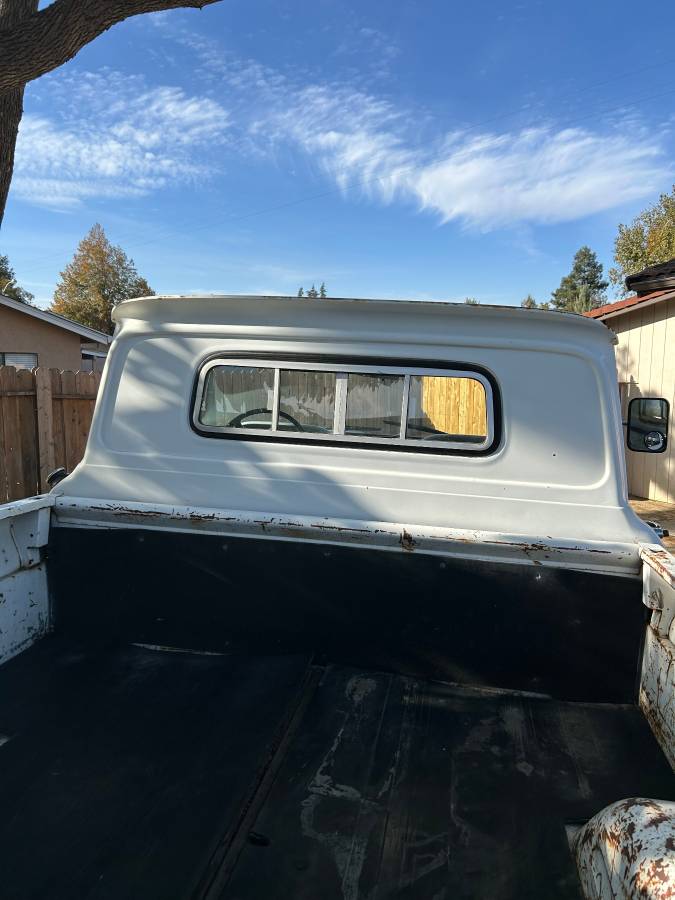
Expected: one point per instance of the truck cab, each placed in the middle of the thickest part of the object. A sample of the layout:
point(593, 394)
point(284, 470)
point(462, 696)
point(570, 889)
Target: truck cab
point(345, 599)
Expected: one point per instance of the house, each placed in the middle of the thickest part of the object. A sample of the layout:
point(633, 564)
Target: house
point(645, 357)
point(31, 337)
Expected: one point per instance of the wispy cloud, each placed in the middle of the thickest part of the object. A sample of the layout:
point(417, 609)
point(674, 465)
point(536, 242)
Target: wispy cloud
point(485, 180)
point(112, 136)
point(373, 50)
point(539, 175)
point(481, 179)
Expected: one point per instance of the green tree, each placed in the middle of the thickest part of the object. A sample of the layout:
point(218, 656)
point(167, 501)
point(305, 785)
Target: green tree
point(99, 277)
point(648, 240)
point(313, 293)
point(471, 301)
point(530, 303)
point(586, 270)
point(8, 285)
point(583, 302)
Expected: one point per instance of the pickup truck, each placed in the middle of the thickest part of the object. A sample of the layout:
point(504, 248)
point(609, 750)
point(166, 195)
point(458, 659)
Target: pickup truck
point(345, 600)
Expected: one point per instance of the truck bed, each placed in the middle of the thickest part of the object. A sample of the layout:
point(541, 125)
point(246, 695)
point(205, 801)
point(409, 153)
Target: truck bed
point(140, 772)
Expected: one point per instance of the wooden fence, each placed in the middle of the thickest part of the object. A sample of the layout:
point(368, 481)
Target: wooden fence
point(45, 416)
point(455, 405)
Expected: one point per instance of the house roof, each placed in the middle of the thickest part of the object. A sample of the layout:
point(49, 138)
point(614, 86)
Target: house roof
point(652, 285)
point(627, 305)
point(91, 334)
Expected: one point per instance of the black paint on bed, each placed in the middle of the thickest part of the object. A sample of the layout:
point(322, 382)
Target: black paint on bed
point(570, 634)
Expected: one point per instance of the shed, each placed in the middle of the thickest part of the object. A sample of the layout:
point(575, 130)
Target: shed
point(644, 324)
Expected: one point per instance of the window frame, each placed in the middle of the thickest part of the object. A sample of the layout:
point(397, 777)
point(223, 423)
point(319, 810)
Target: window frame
point(344, 365)
point(5, 353)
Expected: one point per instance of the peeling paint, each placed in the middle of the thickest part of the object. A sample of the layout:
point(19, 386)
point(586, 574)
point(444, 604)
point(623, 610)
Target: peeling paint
point(625, 852)
point(24, 604)
point(660, 560)
point(657, 676)
point(407, 541)
point(598, 556)
point(657, 690)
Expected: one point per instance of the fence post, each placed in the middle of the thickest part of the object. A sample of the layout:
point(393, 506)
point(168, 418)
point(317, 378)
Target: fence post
point(45, 427)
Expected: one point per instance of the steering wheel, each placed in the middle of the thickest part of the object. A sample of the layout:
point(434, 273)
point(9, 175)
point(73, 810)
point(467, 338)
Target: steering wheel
point(238, 420)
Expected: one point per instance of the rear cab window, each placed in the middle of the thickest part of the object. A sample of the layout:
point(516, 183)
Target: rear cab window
point(371, 405)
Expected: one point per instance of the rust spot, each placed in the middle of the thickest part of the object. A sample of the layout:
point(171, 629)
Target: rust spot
point(657, 820)
point(662, 562)
point(407, 541)
point(134, 513)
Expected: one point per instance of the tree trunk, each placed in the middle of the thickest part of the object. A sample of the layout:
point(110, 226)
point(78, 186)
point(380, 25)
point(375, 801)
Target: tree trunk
point(11, 101)
point(55, 34)
point(11, 109)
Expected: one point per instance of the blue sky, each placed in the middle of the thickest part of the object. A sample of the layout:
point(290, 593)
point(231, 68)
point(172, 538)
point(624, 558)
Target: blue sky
point(395, 149)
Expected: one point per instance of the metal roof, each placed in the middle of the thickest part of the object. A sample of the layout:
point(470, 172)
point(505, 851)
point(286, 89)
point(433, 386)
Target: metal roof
point(657, 277)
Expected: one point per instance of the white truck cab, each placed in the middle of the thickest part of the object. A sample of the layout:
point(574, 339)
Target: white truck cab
point(393, 540)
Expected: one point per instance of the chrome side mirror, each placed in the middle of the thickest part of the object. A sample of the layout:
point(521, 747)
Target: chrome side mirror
point(648, 425)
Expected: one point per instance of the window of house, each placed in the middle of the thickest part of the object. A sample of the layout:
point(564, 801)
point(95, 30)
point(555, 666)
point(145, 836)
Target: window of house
point(345, 403)
point(19, 360)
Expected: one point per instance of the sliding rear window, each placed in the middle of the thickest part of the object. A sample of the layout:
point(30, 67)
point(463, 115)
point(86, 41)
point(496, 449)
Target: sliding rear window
point(394, 406)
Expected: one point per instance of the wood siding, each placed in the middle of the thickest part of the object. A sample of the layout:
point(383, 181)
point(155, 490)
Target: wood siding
point(645, 359)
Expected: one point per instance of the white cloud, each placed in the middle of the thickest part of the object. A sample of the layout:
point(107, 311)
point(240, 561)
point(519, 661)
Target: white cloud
point(487, 180)
point(111, 136)
point(537, 175)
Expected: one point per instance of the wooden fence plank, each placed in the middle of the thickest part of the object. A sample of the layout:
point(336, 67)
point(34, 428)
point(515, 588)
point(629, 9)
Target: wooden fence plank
point(45, 425)
point(28, 431)
point(83, 418)
point(58, 427)
point(12, 431)
point(4, 485)
point(68, 386)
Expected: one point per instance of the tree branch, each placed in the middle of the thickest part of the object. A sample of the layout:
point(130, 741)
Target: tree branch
point(48, 38)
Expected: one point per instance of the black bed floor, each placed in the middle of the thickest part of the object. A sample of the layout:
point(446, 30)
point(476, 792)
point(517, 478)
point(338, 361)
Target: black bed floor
point(141, 773)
